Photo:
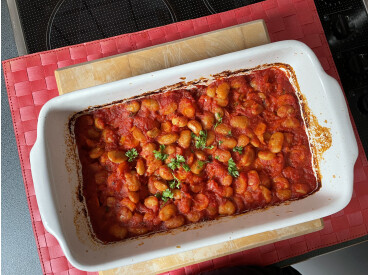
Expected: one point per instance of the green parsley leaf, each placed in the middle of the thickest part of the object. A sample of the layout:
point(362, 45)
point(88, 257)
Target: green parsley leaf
point(232, 169)
point(176, 162)
point(217, 157)
point(219, 119)
point(238, 149)
point(167, 194)
point(159, 154)
point(186, 167)
point(131, 154)
point(175, 183)
point(200, 163)
point(158, 195)
point(201, 140)
point(220, 142)
point(229, 133)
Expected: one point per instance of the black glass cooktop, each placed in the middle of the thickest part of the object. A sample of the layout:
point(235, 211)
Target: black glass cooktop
point(49, 24)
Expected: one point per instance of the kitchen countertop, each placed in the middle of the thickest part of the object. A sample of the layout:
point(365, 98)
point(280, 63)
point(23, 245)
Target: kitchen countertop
point(18, 246)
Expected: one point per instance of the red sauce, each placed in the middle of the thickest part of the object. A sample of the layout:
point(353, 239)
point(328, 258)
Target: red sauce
point(236, 145)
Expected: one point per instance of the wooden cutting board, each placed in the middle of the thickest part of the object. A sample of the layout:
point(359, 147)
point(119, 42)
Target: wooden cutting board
point(165, 56)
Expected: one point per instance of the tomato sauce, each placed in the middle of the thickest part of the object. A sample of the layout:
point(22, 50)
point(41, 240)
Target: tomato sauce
point(189, 155)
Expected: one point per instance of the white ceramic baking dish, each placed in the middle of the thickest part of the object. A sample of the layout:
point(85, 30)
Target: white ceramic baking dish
point(56, 180)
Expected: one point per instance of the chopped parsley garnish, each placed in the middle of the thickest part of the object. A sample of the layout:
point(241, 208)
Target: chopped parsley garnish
point(131, 154)
point(201, 140)
point(175, 183)
point(186, 167)
point(200, 164)
point(232, 169)
point(167, 194)
point(238, 149)
point(176, 162)
point(229, 133)
point(159, 154)
point(217, 157)
point(220, 142)
point(219, 119)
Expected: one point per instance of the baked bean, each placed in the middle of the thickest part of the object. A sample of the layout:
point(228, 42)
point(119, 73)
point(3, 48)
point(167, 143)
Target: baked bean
point(222, 155)
point(228, 142)
point(90, 143)
point(184, 139)
point(227, 208)
point(118, 231)
point(140, 167)
point(169, 108)
point(167, 139)
point(253, 179)
point(241, 122)
point(255, 142)
point(96, 152)
point(180, 121)
point(160, 185)
point(243, 140)
point(152, 165)
point(153, 133)
point(260, 129)
point(256, 109)
point(223, 129)
point(167, 212)
point(186, 108)
point(138, 230)
point(211, 137)
point(241, 184)
point(86, 120)
point(222, 102)
point(285, 111)
point(92, 133)
point(227, 192)
point(166, 126)
point(286, 99)
point(132, 181)
point(125, 214)
point(99, 123)
point(175, 222)
point(132, 106)
point(176, 194)
point(116, 156)
point(170, 149)
point(283, 194)
point(128, 203)
point(218, 112)
point(201, 202)
point(147, 149)
point(248, 156)
point(266, 193)
point(281, 182)
point(276, 142)
point(300, 188)
point(108, 135)
point(101, 177)
point(152, 203)
point(222, 90)
point(165, 173)
point(111, 201)
point(197, 167)
point(195, 126)
point(193, 216)
point(211, 91)
point(208, 120)
point(266, 155)
point(200, 155)
point(226, 180)
point(291, 122)
point(151, 104)
point(133, 196)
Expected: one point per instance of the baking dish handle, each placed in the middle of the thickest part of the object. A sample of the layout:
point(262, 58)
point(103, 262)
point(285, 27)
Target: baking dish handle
point(43, 190)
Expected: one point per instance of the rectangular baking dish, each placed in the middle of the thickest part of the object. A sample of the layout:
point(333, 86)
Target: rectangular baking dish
point(56, 179)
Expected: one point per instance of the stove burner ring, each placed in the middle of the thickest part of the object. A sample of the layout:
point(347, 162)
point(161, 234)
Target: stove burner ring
point(74, 22)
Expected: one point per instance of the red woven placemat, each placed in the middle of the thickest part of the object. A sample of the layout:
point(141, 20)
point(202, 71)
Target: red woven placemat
point(30, 83)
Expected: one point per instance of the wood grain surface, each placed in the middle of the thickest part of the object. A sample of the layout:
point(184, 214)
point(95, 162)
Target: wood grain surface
point(163, 56)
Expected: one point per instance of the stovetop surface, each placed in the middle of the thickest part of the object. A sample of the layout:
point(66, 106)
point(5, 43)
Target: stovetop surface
point(49, 24)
